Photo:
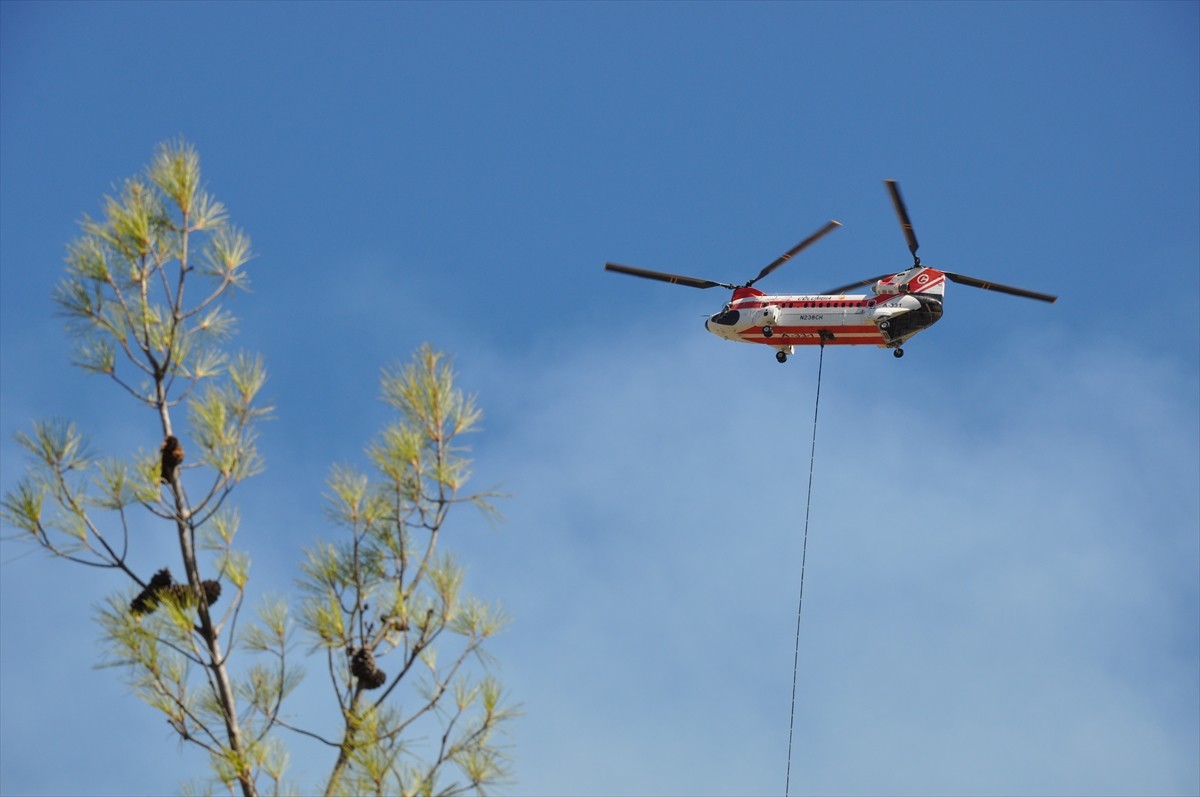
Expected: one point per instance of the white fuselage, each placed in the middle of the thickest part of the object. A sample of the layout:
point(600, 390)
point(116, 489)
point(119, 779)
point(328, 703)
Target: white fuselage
point(781, 321)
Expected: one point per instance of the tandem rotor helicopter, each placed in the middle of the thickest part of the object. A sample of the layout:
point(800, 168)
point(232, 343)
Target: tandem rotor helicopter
point(902, 304)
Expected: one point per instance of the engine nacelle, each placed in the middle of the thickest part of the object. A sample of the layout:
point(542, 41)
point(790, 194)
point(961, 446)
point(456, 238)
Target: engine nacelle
point(886, 287)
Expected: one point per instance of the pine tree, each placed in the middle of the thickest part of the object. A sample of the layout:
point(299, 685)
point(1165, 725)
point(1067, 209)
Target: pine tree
point(144, 296)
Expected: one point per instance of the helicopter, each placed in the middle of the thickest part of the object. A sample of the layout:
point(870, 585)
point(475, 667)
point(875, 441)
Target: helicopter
point(900, 305)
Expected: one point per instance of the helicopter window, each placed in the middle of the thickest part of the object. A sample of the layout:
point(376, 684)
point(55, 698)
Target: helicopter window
point(727, 318)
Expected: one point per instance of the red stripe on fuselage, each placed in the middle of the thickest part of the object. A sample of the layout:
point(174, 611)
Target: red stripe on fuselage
point(815, 340)
point(814, 329)
point(800, 336)
point(809, 304)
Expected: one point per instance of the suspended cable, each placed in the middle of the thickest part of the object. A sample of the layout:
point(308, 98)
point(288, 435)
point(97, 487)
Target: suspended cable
point(803, 560)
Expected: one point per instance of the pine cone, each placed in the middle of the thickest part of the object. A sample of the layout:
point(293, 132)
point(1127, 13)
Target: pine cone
point(163, 584)
point(161, 579)
point(172, 457)
point(147, 599)
point(181, 593)
point(184, 595)
point(362, 662)
point(362, 667)
point(374, 679)
point(212, 590)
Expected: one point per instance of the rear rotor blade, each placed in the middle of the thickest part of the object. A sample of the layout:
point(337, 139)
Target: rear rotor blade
point(789, 254)
point(842, 289)
point(661, 276)
point(975, 282)
point(905, 222)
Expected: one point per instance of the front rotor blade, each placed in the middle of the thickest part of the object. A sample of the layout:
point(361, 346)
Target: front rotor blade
point(905, 221)
point(842, 289)
point(661, 276)
point(975, 282)
point(789, 254)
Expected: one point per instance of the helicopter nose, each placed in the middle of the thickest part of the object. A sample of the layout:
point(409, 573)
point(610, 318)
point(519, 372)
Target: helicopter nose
point(722, 323)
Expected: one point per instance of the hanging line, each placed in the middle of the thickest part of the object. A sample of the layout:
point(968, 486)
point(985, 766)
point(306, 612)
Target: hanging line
point(803, 559)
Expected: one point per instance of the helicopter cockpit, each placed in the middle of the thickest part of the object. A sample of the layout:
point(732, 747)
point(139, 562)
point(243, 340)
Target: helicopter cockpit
point(726, 317)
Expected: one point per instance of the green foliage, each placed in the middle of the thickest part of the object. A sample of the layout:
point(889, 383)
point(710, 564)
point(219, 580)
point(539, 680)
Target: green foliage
point(124, 290)
point(386, 597)
point(143, 314)
point(383, 608)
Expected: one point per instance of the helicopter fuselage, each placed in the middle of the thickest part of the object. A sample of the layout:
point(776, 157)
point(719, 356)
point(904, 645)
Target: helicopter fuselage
point(892, 315)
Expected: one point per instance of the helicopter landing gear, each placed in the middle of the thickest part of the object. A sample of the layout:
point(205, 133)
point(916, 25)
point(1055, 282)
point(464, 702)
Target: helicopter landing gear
point(781, 356)
point(768, 332)
point(897, 353)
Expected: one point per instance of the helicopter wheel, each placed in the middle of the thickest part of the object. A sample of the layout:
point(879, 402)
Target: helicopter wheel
point(781, 356)
point(768, 332)
point(897, 353)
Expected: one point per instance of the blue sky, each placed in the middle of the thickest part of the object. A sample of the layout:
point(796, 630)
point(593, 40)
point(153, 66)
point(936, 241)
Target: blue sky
point(1001, 593)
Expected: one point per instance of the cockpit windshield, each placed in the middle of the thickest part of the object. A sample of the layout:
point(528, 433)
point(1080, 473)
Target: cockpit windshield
point(727, 318)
